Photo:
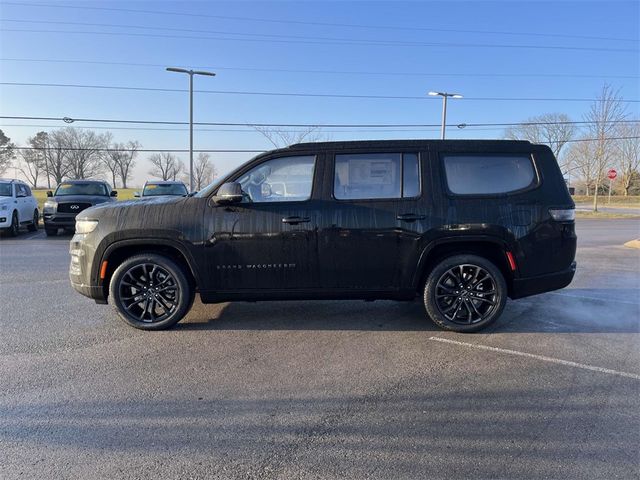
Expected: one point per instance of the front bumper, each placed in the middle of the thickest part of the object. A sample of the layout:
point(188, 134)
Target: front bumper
point(59, 220)
point(525, 287)
point(80, 268)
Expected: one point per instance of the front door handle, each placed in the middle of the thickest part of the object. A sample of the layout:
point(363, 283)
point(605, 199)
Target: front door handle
point(295, 220)
point(410, 217)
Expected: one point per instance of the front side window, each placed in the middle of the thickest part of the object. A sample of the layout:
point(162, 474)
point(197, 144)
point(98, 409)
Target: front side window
point(286, 179)
point(81, 189)
point(21, 191)
point(488, 173)
point(376, 176)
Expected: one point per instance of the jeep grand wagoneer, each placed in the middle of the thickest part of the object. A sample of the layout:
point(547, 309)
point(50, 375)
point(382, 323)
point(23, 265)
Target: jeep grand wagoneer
point(461, 225)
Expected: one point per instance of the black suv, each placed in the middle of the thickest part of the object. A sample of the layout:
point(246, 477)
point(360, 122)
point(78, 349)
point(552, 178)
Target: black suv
point(70, 198)
point(461, 224)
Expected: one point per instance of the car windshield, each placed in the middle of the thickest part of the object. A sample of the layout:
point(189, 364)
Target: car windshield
point(5, 189)
point(164, 189)
point(81, 189)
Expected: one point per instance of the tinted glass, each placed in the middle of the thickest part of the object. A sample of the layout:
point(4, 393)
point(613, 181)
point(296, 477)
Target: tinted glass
point(410, 175)
point(27, 190)
point(376, 176)
point(5, 190)
point(487, 174)
point(164, 189)
point(287, 179)
point(81, 189)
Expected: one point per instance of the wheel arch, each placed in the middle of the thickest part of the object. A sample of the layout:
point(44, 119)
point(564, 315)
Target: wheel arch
point(493, 249)
point(116, 253)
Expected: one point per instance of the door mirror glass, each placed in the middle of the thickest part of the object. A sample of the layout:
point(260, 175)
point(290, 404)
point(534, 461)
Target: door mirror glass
point(49, 193)
point(230, 192)
point(114, 193)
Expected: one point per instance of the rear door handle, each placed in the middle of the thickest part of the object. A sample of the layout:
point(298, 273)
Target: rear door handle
point(410, 217)
point(295, 220)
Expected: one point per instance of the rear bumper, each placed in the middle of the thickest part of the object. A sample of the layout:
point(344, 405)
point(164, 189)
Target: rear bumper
point(525, 287)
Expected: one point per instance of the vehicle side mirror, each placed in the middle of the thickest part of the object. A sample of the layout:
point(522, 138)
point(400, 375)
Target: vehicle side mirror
point(114, 193)
point(136, 194)
point(49, 193)
point(230, 192)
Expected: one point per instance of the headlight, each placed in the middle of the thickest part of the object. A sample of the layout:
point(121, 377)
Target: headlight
point(50, 205)
point(4, 207)
point(86, 226)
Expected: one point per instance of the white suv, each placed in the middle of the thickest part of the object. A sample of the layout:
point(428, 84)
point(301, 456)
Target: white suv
point(18, 207)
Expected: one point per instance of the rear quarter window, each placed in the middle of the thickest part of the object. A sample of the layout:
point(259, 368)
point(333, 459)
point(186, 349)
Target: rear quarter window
point(487, 174)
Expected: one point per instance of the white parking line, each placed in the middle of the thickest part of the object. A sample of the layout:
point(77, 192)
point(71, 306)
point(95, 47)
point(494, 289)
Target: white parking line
point(538, 357)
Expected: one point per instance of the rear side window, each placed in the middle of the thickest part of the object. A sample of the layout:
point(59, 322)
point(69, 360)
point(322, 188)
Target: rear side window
point(488, 174)
point(376, 176)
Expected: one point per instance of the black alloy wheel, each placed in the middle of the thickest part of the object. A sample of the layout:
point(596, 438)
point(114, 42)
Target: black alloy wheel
point(465, 293)
point(150, 292)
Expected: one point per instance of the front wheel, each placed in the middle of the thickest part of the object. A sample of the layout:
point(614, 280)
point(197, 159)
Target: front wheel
point(14, 229)
point(465, 293)
point(150, 292)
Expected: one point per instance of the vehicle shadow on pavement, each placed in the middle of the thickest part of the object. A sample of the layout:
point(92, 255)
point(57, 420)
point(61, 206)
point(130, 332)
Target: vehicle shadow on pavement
point(382, 315)
point(566, 311)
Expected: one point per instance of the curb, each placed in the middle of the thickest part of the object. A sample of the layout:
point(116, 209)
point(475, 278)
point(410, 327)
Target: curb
point(633, 243)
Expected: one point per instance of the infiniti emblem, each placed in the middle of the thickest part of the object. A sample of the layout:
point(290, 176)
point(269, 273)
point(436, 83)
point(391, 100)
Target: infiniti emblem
point(74, 207)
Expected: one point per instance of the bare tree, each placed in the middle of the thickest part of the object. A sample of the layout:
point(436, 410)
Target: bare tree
point(628, 150)
point(581, 155)
point(111, 157)
point(165, 165)
point(84, 155)
point(203, 171)
point(553, 129)
point(127, 161)
point(604, 116)
point(282, 138)
point(34, 161)
point(57, 167)
point(7, 152)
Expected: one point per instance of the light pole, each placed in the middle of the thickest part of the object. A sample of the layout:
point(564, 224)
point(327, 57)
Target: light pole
point(444, 96)
point(191, 73)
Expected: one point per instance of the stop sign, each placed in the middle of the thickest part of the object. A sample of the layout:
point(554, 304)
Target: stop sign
point(612, 174)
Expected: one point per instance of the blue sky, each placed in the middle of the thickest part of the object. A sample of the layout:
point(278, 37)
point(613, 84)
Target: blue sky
point(448, 46)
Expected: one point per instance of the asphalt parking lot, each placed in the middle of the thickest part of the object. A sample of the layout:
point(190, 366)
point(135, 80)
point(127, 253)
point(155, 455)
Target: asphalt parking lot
point(322, 389)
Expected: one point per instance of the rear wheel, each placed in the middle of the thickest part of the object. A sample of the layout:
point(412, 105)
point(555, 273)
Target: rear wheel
point(150, 292)
point(33, 226)
point(465, 293)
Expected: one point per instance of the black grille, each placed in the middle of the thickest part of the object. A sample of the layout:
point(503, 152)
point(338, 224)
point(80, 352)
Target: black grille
point(72, 207)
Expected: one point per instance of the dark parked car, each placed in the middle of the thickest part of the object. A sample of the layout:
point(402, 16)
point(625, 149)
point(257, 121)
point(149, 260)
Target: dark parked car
point(69, 199)
point(460, 224)
point(158, 188)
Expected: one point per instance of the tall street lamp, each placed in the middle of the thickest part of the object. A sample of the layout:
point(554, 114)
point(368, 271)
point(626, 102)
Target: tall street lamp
point(191, 73)
point(444, 96)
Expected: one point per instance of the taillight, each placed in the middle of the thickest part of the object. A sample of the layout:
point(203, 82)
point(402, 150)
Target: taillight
point(563, 214)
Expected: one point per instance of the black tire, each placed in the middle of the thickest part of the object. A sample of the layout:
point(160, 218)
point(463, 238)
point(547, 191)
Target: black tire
point(50, 231)
point(14, 229)
point(465, 293)
point(33, 226)
point(144, 305)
